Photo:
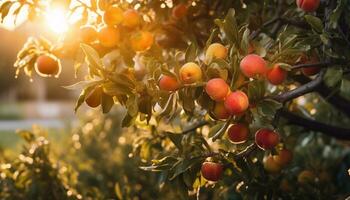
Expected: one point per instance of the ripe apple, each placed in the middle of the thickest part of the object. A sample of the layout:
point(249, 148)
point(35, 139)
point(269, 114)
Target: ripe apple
point(131, 18)
point(271, 165)
point(266, 138)
point(47, 65)
point(190, 73)
point(212, 171)
point(310, 71)
point(179, 11)
point(168, 83)
point(109, 36)
point(284, 157)
point(238, 133)
point(306, 176)
point(220, 112)
point(236, 102)
point(94, 99)
point(142, 41)
point(87, 34)
point(113, 16)
point(308, 5)
point(253, 65)
point(276, 75)
point(217, 89)
point(215, 50)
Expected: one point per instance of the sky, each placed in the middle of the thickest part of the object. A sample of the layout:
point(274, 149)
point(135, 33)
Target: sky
point(55, 18)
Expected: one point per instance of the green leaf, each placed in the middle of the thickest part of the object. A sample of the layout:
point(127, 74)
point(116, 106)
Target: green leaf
point(167, 72)
point(92, 56)
point(128, 120)
point(118, 191)
point(336, 13)
point(213, 33)
point(132, 105)
point(333, 76)
point(26, 135)
point(176, 139)
point(245, 40)
point(82, 84)
point(114, 89)
point(230, 26)
point(183, 165)
point(214, 129)
point(221, 131)
point(191, 52)
point(107, 103)
point(345, 88)
point(168, 106)
point(82, 96)
point(256, 90)
point(315, 23)
point(5, 9)
point(268, 107)
point(165, 163)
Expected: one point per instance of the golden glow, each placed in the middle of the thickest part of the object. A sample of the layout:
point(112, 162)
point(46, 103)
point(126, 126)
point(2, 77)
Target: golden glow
point(56, 19)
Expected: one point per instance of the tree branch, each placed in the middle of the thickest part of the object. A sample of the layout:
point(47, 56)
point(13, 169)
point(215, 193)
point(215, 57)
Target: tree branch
point(320, 64)
point(330, 130)
point(339, 102)
point(247, 151)
point(302, 90)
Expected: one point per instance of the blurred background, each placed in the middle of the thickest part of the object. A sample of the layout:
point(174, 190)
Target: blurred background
point(41, 101)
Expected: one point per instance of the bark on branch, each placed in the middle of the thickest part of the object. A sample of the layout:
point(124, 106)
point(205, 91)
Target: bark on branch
point(310, 124)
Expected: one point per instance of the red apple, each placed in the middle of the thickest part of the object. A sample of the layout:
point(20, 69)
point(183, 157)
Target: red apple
point(236, 102)
point(238, 133)
point(217, 89)
point(266, 138)
point(253, 65)
point(212, 171)
point(308, 5)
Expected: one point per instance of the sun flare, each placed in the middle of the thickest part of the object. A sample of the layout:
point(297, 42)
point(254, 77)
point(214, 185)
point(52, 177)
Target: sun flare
point(56, 19)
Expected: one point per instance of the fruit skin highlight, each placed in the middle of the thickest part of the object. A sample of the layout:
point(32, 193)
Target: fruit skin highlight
point(236, 102)
point(217, 89)
point(211, 171)
point(113, 16)
point(253, 65)
point(131, 19)
point(168, 83)
point(215, 50)
point(266, 139)
point(142, 41)
point(190, 73)
point(109, 36)
point(276, 75)
point(238, 133)
point(308, 5)
point(94, 98)
point(47, 65)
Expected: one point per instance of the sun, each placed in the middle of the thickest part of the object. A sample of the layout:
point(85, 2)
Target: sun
point(56, 19)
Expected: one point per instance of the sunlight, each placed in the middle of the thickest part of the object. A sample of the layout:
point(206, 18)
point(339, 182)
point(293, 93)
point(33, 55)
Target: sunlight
point(56, 19)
